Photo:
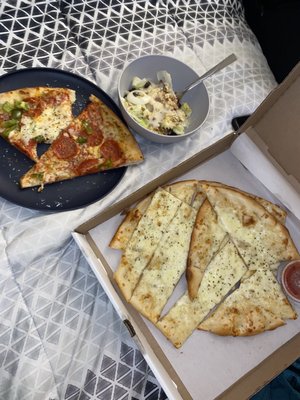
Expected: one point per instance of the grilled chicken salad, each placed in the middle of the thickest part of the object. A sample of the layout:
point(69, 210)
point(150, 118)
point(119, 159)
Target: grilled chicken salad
point(155, 106)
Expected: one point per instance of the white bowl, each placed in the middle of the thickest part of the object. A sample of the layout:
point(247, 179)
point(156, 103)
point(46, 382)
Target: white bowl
point(182, 75)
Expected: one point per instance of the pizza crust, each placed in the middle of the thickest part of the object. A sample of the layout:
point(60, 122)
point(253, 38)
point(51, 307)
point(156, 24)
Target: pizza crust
point(278, 212)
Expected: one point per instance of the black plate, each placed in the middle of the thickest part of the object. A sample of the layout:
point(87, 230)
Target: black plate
point(66, 195)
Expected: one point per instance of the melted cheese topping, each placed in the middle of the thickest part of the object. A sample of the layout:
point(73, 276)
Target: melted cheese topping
point(166, 266)
point(51, 121)
point(144, 240)
point(223, 272)
point(259, 303)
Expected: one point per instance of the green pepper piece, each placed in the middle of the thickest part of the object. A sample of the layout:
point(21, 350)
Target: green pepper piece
point(108, 163)
point(10, 122)
point(39, 139)
point(16, 114)
point(21, 105)
point(81, 139)
point(7, 107)
point(7, 131)
point(38, 176)
point(87, 126)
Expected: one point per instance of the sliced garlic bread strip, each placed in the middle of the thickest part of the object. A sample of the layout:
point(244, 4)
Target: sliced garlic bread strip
point(166, 266)
point(222, 273)
point(129, 223)
point(183, 190)
point(257, 306)
point(261, 240)
point(206, 240)
point(144, 240)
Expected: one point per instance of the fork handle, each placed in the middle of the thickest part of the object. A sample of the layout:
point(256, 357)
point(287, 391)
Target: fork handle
point(228, 60)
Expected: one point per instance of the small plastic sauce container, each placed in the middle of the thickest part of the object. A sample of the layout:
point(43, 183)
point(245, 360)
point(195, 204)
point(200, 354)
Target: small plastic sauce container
point(290, 279)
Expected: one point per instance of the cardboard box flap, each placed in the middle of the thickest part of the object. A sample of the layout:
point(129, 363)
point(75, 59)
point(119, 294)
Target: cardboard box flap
point(277, 123)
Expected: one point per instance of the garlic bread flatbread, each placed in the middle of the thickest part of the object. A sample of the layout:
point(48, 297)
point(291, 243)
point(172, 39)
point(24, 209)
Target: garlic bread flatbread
point(208, 235)
point(222, 273)
point(166, 267)
point(260, 238)
point(206, 240)
point(186, 191)
point(129, 223)
point(256, 306)
point(144, 240)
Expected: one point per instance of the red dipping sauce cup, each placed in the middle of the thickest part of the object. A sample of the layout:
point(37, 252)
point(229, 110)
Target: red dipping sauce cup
point(291, 279)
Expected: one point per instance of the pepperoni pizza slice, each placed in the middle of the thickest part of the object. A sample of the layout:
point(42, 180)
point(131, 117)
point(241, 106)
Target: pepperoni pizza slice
point(97, 140)
point(34, 115)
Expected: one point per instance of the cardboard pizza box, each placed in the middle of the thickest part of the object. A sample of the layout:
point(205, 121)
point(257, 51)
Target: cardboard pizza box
point(261, 158)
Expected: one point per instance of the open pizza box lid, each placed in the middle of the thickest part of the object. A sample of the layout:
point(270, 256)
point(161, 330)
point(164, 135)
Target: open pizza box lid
point(272, 134)
point(262, 157)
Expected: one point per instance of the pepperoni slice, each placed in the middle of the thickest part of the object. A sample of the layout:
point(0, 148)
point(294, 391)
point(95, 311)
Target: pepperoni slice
point(111, 150)
point(35, 107)
point(88, 167)
point(64, 147)
point(96, 138)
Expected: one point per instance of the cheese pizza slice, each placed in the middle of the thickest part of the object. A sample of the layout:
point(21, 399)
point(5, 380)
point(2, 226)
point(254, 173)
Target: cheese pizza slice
point(221, 275)
point(167, 265)
point(256, 306)
point(261, 239)
point(34, 115)
point(97, 140)
point(144, 240)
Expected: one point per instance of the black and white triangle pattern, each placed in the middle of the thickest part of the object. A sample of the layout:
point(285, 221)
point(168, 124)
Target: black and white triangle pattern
point(60, 337)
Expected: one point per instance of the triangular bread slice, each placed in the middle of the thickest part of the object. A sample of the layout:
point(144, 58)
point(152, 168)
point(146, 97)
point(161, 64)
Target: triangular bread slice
point(274, 209)
point(221, 275)
point(186, 191)
point(207, 237)
point(166, 267)
point(260, 238)
point(126, 228)
point(256, 306)
point(144, 240)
